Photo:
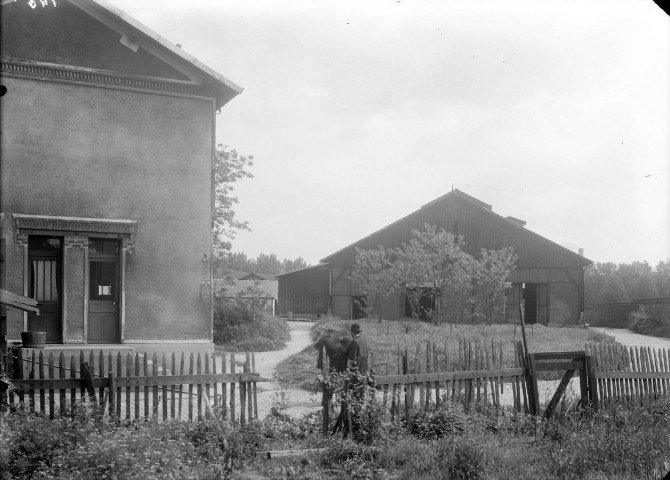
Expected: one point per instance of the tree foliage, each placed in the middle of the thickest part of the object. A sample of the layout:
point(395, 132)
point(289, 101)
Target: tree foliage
point(609, 282)
point(229, 167)
point(263, 263)
point(434, 264)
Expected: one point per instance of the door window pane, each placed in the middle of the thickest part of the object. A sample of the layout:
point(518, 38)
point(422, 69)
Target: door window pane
point(103, 280)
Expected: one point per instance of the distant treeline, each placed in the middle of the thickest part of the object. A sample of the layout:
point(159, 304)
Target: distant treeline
point(619, 283)
point(262, 264)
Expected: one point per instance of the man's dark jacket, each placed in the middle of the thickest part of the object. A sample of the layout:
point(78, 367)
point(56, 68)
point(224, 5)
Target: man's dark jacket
point(358, 353)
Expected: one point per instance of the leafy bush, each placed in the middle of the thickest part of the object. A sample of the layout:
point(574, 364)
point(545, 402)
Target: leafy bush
point(88, 445)
point(449, 419)
point(240, 323)
point(655, 322)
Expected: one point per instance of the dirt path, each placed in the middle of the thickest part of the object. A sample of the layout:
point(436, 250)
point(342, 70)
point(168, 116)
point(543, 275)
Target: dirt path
point(299, 401)
point(628, 338)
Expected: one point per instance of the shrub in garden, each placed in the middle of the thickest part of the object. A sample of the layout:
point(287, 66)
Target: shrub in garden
point(449, 419)
point(241, 323)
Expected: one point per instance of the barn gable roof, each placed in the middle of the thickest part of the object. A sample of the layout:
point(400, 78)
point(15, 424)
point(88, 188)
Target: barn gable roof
point(457, 195)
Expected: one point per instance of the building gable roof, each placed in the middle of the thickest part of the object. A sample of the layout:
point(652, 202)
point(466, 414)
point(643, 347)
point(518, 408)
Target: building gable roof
point(73, 33)
point(457, 195)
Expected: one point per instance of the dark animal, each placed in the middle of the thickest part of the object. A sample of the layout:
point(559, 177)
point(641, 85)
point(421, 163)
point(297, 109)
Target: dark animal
point(336, 345)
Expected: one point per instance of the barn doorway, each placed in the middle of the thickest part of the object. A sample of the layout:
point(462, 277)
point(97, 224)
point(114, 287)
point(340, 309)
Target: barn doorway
point(536, 303)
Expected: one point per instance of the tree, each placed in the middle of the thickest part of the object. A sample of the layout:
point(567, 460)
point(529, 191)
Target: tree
point(434, 264)
point(229, 167)
point(373, 274)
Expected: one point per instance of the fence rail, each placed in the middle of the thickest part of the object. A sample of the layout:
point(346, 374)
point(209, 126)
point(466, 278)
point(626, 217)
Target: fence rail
point(135, 386)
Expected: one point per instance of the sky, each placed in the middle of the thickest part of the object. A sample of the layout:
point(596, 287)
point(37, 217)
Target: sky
point(358, 113)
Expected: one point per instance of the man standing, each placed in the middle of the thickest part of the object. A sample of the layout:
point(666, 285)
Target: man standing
point(357, 359)
point(357, 353)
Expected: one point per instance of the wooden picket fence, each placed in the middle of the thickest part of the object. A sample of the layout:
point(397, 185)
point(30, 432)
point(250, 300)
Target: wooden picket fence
point(477, 375)
point(629, 373)
point(132, 386)
point(480, 377)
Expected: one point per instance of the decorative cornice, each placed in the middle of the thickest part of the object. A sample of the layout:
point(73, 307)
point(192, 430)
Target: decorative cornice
point(74, 224)
point(99, 78)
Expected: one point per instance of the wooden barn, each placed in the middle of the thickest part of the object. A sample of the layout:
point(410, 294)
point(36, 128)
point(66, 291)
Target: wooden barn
point(548, 279)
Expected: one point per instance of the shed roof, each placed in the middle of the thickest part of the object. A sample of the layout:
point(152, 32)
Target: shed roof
point(17, 301)
point(268, 288)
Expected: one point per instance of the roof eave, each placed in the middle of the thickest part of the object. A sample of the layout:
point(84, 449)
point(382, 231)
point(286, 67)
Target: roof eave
point(226, 88)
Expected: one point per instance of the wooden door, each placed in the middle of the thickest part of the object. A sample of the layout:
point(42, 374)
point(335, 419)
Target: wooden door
point(103, 293)
point(543, 303)
point(45, 261)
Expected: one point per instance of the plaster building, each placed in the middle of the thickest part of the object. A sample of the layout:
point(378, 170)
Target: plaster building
point(548, 279)
point(106, 176)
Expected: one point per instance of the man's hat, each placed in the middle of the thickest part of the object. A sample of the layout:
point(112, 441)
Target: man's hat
point(355, 328)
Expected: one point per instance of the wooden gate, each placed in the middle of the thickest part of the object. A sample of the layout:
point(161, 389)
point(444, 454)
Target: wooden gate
point(570, 362)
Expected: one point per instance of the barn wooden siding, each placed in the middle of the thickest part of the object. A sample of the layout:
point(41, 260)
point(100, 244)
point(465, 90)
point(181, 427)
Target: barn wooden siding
point(304, 291)
point(540, 261)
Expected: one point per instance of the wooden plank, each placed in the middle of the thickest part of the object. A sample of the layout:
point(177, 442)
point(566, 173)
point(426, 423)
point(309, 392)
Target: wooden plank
point(247, 367)
point(101, 371)
point(154, 372)
point(243, 397)
point(629, 375)
point(567, 376)
point(42, 391)
point(52, 394)
point(20, 374)
point(232, 390)
point(405, 368)
point(73, 390)
point(119, 373)
point(137, 386)
point(191, 361)
point(198, 368)
point(129, 372)
point(173, 390)
point(112, 394)
point(216, 389)
point(207, 390)
point(181, 386)
point(164, 389)
point(541, 356)
point(61, 373)
point(253, 369)
point(145, 372)
point(224, 389)
point(447, 376)
point(82, 391)
point(560, 366)
point(31, 393)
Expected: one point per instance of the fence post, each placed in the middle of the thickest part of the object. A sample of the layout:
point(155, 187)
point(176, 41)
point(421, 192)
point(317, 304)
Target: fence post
point(531, 382)
point(112, 394)
point(592, 381)
point(325, 369)
point(88, 380)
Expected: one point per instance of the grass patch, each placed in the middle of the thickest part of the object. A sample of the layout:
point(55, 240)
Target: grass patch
point(384, 338)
